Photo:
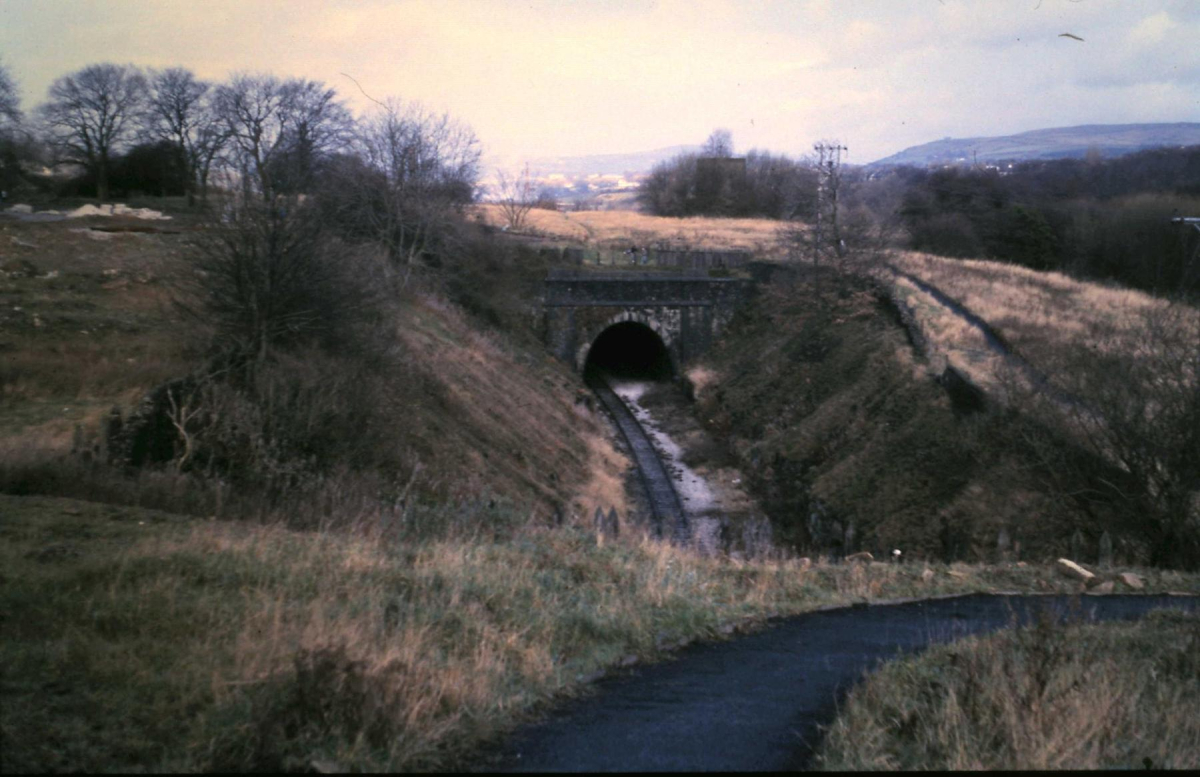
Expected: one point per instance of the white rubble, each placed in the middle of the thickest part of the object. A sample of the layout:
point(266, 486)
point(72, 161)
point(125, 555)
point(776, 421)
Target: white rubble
point(83, 211)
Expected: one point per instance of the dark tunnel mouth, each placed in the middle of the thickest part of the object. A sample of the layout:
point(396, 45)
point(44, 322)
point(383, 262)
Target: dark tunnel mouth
point(630, 350)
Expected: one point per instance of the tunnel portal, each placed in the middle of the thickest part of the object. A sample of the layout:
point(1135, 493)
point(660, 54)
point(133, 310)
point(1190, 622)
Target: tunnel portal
point(679, 313)
point(630, 350)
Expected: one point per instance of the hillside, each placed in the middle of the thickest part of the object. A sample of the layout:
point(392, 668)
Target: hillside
point(1060, 142)
point(143, 634)
point(87, 325)
point(854, 435)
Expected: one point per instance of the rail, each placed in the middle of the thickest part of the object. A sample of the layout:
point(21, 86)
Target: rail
point(665, 506)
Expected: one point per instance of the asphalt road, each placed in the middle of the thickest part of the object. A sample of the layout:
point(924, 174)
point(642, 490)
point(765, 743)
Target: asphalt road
point(756, 702)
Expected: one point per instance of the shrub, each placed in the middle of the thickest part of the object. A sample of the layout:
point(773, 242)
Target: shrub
point(1046, 696)
point(268, 277)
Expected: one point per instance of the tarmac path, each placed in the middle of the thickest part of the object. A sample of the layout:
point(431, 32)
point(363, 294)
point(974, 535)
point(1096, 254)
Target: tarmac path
point(756, 702)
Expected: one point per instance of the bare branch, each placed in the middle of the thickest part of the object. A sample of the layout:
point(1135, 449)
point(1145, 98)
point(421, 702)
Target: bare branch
point(517, 197)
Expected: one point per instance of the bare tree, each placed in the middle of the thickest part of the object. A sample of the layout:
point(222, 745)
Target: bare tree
point(316, 125)
point(251, 107)
point(269, 279)
point(10, 99)
point(91, 113)
point(280, 129)
point(12, 145)
point(1133, 404)
point(410, 172)
point(179, 111)
point(719, 144)
point(517, 197)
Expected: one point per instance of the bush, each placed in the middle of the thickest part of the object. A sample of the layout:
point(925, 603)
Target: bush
point(268, 277)
point(1046, 696)
point(1139, 422)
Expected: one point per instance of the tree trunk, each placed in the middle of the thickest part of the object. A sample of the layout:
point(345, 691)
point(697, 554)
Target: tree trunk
point(102, 180)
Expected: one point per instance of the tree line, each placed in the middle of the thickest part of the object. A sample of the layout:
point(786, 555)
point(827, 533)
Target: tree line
point(713, 182)
point(1106, 219)
point(166, 131)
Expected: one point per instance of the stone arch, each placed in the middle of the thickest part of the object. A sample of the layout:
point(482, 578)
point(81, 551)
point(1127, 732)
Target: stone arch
point(664, 332)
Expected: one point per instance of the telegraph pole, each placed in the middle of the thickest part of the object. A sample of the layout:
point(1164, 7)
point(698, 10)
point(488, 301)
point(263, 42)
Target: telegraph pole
point(829, 163)
point(1186, 265)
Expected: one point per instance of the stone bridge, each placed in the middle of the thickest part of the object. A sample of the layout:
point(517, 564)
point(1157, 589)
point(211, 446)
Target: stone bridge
point(685, 313)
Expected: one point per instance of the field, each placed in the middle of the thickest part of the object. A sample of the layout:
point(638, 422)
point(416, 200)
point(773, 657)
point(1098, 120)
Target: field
point(623, 228)
point(83, 319)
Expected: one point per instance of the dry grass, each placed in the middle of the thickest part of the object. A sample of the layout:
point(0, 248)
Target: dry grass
point(476, 416)
point(488, 416)
point(1044, 316)
point(951, 339)
point(621, 228)
point(135, 639)
point(88, 329)
point(606, 486)
point(1041, 697)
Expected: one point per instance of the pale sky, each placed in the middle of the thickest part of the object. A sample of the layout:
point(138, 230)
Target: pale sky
point(552, 77)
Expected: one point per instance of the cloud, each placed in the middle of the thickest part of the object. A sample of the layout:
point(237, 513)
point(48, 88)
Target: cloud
point(558, 78)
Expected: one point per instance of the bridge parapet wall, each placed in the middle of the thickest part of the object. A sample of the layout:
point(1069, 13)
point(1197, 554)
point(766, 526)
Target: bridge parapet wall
point(687, 313)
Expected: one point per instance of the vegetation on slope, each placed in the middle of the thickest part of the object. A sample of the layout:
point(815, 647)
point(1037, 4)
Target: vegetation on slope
point(1045, 696)
point(850, 443)
point(1084, 362)
point(434, 409)
point(1049, 318)
point(816, 412)
point(136, 639)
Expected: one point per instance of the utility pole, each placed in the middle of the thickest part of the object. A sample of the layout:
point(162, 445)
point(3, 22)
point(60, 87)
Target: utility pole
point(1186, 265)
point(829, 164)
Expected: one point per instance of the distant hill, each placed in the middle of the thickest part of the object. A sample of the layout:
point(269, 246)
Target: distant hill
point(606, 164)
point(1061, 142)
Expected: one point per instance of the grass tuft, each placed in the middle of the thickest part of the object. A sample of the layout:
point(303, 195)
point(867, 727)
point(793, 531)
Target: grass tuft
point(1045, 696)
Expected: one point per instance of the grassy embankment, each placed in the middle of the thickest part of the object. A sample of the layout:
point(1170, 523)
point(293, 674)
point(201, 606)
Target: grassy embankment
point(1054, 321)
point(139, 639)
point(818, 399)
point(833, 417)
point(476, 415)
point(1046, 696)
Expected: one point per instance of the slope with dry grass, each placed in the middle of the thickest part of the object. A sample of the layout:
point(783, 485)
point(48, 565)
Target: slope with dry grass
point(1052, 320)
point(849, 445)
point(140, 640)
point(1042, 697)
point(469, 414)
point(1108, 375)
point(496, 418)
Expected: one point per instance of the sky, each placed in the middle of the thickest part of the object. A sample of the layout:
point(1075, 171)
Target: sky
point(560, 78)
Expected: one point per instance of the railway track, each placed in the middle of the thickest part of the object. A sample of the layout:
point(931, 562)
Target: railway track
point(670, 519)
